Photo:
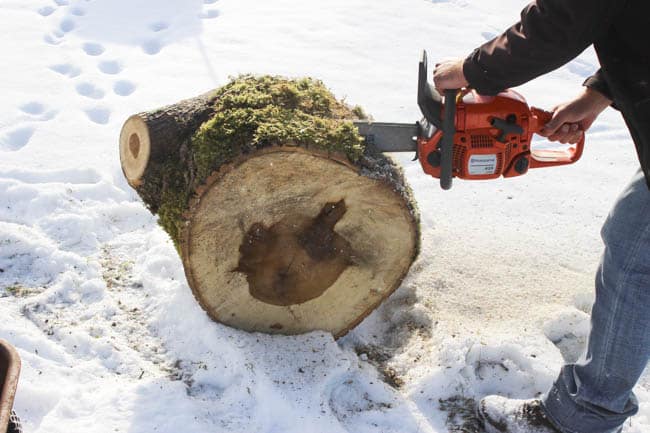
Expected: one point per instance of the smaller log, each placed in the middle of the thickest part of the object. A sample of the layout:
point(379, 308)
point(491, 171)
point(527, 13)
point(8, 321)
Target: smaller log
point(168, 128)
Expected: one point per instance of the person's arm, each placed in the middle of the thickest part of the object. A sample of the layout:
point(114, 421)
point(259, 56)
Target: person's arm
point(550, 34)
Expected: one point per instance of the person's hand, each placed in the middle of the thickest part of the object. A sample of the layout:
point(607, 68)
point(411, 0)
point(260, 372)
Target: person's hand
point(449, 75)
point(571, 119)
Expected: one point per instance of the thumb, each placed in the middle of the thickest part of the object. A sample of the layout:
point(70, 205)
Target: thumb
point(555, 123)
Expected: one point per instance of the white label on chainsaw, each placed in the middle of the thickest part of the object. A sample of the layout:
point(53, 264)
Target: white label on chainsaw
point(482, 164)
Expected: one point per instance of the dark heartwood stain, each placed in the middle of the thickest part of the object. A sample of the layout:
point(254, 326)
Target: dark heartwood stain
point(296, 259)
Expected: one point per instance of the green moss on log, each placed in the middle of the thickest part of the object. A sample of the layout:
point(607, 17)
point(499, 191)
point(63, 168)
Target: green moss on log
point(253, 112)
point(256, 112)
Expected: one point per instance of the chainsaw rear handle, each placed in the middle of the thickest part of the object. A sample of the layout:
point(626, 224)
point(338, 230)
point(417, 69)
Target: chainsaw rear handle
point(552, 157)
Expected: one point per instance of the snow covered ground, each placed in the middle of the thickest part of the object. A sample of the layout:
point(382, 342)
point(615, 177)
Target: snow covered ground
point(92, 292)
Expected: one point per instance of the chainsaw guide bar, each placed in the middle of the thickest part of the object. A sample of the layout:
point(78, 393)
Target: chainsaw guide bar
point(390, 137)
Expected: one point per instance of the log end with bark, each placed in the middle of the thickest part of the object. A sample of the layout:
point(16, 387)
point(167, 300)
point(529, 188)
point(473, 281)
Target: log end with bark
point(284, 220)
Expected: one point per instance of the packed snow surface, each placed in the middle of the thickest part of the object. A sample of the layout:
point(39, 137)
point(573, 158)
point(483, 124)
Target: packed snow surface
point(92, 292)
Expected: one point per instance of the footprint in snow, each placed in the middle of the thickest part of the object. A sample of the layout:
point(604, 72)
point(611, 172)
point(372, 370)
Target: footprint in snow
point(352, 397)
point(66, 69)
point(16, 138)
point(158, 26)
point(98, 115)
point(110, 67)
point(93, 49)
point(52, 39)
point(89, 90)
point(152, 46)
point(37, 111)
point(33, 107)
point(46, 11)
point(209, 14)
point(77, 11)
point(123, 88)
point(67, 25)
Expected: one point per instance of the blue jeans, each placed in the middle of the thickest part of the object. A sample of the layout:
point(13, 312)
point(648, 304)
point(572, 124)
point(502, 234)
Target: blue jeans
point(594, 395)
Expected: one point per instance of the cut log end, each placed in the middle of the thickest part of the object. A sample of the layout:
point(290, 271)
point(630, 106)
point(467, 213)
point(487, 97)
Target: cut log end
point(289, 240)
point(135, 149)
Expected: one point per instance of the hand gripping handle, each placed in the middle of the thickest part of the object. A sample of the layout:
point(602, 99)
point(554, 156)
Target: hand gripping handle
point(552, 157)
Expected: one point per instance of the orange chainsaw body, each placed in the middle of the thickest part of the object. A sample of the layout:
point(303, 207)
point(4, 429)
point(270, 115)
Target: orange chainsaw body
point(493, 137)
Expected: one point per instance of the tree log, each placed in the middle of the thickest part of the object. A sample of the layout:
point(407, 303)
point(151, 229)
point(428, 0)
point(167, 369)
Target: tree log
point(284, 220)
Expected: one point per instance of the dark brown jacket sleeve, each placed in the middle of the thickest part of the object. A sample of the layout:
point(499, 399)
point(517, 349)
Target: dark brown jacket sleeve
point(598, 83)
point(550, 34)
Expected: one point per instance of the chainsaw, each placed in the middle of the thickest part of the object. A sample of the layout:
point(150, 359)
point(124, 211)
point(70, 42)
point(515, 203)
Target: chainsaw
point(470, 136)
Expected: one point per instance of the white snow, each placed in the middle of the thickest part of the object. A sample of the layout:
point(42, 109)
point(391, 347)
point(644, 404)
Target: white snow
point(92, 292)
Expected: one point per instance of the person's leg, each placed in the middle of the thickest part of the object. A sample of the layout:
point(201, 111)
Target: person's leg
point(595, 394)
